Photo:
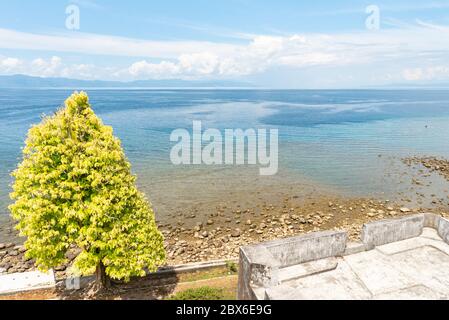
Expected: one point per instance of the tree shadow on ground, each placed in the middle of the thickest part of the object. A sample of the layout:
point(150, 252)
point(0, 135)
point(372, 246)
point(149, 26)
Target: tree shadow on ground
point(151, 287)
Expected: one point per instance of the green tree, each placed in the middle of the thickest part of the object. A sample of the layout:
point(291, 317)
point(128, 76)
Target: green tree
point(74, 188)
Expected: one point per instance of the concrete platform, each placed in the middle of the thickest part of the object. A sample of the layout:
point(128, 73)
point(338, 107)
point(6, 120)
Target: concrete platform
point(402, 265)
point(27, 281)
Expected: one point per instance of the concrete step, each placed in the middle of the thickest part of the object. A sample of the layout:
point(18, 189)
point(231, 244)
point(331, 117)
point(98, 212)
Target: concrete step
point(307, 269)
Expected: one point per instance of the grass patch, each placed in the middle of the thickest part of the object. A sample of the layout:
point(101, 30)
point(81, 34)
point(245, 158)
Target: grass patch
point(202, 293)
point(232, 267)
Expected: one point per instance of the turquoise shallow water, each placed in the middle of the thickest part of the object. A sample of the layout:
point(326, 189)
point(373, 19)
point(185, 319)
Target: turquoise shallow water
point(344, 140)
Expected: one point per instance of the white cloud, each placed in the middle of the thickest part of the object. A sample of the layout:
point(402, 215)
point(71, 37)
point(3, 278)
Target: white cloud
point(426, 73)
point(413, 74)
point(47, 68)
point(95, 44)
point(199, 63)
point(11, 62)
point(144, 69)
point(9, 65)
point(393, 50)
point(260, 54)
point(52, 67)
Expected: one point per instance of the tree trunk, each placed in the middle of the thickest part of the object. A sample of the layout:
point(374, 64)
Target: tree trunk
point(103, 281)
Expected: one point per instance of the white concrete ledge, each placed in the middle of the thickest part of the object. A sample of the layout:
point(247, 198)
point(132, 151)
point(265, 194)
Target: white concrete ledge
point(355, 247)
point(268, 265)
point(307, 269)
point(27, 281)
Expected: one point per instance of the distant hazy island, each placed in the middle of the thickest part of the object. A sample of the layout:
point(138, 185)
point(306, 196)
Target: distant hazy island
point(27, 82)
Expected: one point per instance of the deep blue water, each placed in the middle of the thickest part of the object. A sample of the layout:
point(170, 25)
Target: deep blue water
point(337, 138)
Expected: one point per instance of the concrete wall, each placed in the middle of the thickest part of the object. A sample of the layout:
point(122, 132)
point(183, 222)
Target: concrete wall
point(257, 268)
point(443, 229)
point(431, 220)
point(314, 246)
point(244, 291)
point(387, 231)
point(260, 263)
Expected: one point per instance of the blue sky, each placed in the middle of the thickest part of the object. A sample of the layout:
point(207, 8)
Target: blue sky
point(285, 44)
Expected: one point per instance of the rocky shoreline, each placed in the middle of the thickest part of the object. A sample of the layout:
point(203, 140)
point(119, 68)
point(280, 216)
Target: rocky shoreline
point(432, 164)
point(206, 242)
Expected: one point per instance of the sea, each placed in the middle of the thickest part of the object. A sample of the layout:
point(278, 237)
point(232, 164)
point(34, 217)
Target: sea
point(347, 142)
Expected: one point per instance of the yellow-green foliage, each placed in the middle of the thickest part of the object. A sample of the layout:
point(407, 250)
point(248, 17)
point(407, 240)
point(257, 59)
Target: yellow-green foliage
point(75, 187)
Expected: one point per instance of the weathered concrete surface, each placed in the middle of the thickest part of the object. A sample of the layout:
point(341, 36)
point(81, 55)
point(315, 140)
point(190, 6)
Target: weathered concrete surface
point(408, 269)
point(355, 247)
point(260, 264)
point(341, 283)
point(318, 245)
point(306, 269)
point(407, 258)
point(20, 282)
point(443, 229)
point(386, 231)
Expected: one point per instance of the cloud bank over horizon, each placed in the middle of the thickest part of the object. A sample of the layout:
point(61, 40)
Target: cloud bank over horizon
point(403, 52)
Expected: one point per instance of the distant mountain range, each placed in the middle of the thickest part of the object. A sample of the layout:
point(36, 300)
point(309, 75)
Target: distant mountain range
point(418, 85)
point(27, 82)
